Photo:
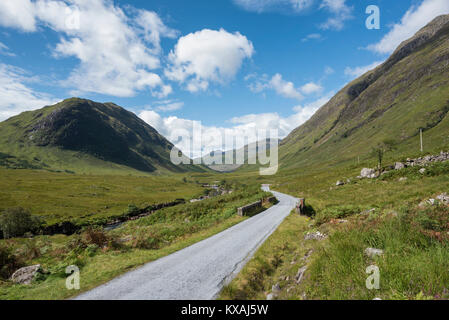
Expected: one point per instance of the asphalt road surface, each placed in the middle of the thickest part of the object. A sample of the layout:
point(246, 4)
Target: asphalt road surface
point(200, 271)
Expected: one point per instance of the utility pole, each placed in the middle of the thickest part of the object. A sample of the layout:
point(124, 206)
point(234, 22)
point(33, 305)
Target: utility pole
point(420, 133)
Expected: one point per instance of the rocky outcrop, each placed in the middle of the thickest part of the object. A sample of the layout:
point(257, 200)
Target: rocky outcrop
point(424, 161)
point(368, 173)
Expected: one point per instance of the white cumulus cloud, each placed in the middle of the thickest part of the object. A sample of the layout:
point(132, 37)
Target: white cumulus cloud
point(284, 88)
point(208, 56)
point(18, 14)
point(311, 87)
point(118, 51)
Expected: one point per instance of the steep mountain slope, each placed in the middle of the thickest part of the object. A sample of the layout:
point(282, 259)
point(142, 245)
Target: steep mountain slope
point(86, 136)
point(407, 92)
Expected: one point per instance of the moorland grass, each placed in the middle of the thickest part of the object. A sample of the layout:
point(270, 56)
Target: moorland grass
point(83, 199)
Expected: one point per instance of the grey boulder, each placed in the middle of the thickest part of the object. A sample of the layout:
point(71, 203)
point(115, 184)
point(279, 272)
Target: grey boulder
point(399, 166)
point(26, 274)
point(368, 173)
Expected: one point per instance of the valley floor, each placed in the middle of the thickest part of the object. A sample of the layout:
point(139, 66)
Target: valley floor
point(389, 213)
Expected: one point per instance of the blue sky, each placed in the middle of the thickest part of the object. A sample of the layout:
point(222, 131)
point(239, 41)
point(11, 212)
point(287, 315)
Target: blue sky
point(227, 63)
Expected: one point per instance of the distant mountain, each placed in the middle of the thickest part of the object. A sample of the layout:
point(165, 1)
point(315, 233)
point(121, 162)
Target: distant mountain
point(408, 92)
point(86, 136)
point(250, 155)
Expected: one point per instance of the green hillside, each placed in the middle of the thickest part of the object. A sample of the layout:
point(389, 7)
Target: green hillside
point(86, 137)
point(407, 92)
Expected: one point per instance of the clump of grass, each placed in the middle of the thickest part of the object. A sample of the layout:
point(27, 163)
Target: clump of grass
point(336, 212)
point(143, 240)
point(9, 262)
point(95, 236)
point(31, 250)
point(412, 264)
point(254, 279)
point(432, 221)
point(91, 238)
